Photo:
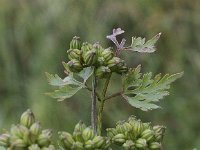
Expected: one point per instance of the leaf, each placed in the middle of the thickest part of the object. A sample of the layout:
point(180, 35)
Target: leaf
point(68, 86)
point(55, 80)
point(139, 45)
point(86, 73)
point(64, 92)
point(142, 91)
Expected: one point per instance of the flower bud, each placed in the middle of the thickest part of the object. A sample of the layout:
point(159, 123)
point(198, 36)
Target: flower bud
point(100, 61)
point(90, 57)
point(119, 139)
point(102, 72)
point(34, 147)
point(51, 147)
point(114, 63)
point(77, 146)
point(122, 69)
point(88, 134)
point(16, 131)
point(155, 146)
point(79, 127)
point(111, 132)
point(129, 145)
point(78, 136)
point(89, 144)
point(147, 134)
point(18, 144)
point(159, 132)
point(27, 118)
point(137, 127)
point(86, 47)
point(107, 54)
point(141, 143)
point(36, 129)
point(44, 139)
point(99, 141)
point(74, 54)
point(74, 66)
point(66, 139)
point(4, 140)
point(75, 43)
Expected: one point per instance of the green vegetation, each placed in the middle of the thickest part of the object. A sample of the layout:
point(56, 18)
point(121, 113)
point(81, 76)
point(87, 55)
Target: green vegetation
point(34, 37)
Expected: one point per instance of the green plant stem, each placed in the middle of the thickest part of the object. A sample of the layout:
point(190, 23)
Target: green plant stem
point(112, 96)
point(94, 105)
point(100, 115)
point(97, 94)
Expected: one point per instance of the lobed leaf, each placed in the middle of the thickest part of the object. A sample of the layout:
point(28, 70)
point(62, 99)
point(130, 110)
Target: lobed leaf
point(141, 91)
point(139, 45)
point(68, 86)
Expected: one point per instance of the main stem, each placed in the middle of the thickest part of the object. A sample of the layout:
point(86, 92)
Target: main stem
point(94, 105)
point(100, 115)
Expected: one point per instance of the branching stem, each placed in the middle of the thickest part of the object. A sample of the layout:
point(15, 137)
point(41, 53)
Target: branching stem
point(100, 115)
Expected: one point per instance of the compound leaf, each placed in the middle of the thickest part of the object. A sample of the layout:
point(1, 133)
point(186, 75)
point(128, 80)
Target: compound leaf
point(138, 44)
point(142, 91)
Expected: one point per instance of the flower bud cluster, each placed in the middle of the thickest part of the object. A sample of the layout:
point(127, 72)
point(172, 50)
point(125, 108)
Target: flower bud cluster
point(28, 135)
point(134, 135)
point(85, 55)
point(83, 138)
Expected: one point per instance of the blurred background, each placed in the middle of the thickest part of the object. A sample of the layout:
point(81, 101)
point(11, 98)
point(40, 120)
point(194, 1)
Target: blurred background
point(34, 37)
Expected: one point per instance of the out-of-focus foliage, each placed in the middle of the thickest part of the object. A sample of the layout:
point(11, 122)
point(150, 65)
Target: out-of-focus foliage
point(34, 37)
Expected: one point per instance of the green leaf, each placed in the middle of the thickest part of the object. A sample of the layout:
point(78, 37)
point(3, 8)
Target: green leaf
point(86, 73)
point(139, 45)
point(64, 92)
point(68, 86)
point(142, 91)
point(55, 80)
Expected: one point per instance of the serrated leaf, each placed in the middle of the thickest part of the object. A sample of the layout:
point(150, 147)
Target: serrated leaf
point(142, 91)
point(55, 80)
point(138, 44)
point(64, 92)
point(68, 86)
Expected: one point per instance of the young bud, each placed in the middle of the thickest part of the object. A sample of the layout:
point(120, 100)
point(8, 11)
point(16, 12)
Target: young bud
point(159, 132)
point(115, 63)
point(122, 69)
point(78, 136)
point(107, 54)
point(74, 54)
point(155, 146)
point(79, 127)
point(44, 139)
point(129, 145)
point(99, 141)
point(86, 47)
point(66, 139)
point(4, 140)
point(75, 43)
point(119, 139)
point(51, 147)
point(147, 134)
point(102, 72)
point(74, 66)
point(36, 129)
point(90, 57)
point(34, 147)
point(89, 144)
point(88, 134)
point(18, 144)
point(100, 61)
point(77, 146)
point(16, 131)
point(137, 127)
point(111, 132)
point(141, 143)
point(27, 118)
